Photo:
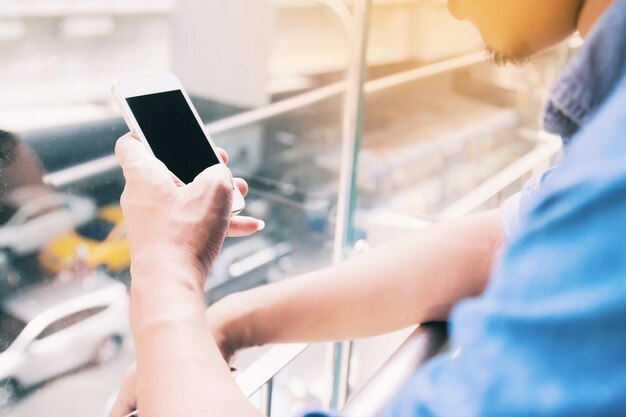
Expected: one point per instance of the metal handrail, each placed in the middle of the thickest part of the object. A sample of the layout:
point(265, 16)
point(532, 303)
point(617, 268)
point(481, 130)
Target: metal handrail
point(353, 113)
point(425, 342)
point(263, 370)
point(106, 164)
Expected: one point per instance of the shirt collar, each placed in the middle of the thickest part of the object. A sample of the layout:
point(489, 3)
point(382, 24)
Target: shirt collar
point(590, 76)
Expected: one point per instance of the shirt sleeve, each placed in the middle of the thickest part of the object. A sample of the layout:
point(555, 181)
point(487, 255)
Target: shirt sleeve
point(514, 206)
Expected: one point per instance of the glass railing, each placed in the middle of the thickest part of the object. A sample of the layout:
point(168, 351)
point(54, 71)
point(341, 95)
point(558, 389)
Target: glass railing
point(273, 122)
point(329, 141)
point(390, 359)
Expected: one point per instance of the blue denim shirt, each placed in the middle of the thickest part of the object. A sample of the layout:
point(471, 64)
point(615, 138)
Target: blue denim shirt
point(548, 335)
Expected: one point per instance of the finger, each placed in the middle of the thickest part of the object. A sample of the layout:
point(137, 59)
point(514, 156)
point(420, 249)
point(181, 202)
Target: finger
point(218, 173)
point(242, 185)
point(121, 408)
point(223, 154)
point(132, 154)
point(245, 226)
point(126, 401)
point(129, 150)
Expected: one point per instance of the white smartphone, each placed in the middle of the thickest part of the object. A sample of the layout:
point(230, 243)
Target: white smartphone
point(159, 112)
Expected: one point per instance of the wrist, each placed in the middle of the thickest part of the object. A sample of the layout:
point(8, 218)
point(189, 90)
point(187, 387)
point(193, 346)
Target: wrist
point(165, 302)
point(166, 268)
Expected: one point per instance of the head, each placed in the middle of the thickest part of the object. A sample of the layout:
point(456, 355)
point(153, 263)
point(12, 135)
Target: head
point(513, 30)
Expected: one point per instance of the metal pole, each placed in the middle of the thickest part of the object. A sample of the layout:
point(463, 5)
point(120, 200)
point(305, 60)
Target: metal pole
point(266, 397)
point(346, 199)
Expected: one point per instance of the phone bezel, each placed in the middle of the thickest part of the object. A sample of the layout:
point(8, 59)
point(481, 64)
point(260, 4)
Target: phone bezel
point(159, 83)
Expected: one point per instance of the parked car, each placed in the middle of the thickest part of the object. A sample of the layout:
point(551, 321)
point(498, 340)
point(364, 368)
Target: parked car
point(9, 278)
point(31, 216)
point(98, 244)
point(52, 328)
point(246, 264)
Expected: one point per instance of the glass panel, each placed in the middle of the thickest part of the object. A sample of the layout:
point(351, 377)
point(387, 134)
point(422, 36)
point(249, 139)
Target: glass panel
point(269, 91)
point(428, 142)
point(283, 160)
point(439, 122)
point(301, 385)
point(266, 77)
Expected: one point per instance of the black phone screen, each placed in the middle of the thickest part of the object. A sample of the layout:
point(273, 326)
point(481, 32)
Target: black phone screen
point(173, 133)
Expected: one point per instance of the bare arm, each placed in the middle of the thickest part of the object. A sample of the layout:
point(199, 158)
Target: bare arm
point(409, 280)
point(181, 371)
point(175, 232)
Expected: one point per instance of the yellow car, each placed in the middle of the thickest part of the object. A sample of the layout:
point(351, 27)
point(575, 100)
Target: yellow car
point(99, 243)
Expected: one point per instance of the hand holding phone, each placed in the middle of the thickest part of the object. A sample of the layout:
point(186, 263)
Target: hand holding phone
point(159, 112)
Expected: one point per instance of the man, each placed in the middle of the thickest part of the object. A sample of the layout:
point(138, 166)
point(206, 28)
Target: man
point(546, 336)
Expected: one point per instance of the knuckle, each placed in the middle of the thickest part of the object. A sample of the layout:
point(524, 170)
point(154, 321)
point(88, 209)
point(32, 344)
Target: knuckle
point(223, 186)
point(124, 199)
point(221, 192)
point(120, 144)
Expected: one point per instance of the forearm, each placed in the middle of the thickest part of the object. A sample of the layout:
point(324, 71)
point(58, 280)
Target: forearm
point(413, 279)
point(181, 371)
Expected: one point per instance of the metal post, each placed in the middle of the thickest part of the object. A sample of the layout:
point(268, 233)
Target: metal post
point(266, 397)
point(346, 199)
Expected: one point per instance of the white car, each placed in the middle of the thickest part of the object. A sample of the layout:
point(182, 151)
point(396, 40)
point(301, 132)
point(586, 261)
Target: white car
point(32, 216)
point(8, 276)
point(53, 328)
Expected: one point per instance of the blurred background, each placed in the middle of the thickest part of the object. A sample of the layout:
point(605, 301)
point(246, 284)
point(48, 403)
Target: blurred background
point(437, 132)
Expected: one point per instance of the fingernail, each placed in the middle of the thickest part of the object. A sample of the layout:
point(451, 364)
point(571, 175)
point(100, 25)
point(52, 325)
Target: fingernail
point(260, 225)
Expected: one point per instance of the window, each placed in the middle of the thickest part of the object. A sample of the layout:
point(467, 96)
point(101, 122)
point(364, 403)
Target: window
point(98, 229)
point(69, 321)
point(10, 329)
point(42, 211)
point(6, 213)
